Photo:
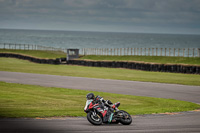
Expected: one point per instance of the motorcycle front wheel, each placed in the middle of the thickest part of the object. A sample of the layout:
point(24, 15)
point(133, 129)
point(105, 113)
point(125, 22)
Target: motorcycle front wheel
point(94, 118)
point(126, 119)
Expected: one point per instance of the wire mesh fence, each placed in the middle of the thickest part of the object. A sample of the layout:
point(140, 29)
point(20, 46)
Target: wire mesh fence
point(178, 52)
point(30, 47)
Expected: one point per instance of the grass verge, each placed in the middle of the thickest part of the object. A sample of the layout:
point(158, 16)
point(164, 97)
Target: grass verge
point(36, 53)
point(16, 65)
point(17, 100)
point(150, 59)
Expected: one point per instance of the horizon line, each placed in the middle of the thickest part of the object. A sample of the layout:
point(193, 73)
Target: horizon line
point(100, 31)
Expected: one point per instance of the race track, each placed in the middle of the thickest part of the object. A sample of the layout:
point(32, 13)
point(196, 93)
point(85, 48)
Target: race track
point(181, 122)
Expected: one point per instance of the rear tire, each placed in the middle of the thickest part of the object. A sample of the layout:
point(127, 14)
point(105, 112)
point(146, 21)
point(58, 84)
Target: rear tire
point(126, 119)
point(94, 119)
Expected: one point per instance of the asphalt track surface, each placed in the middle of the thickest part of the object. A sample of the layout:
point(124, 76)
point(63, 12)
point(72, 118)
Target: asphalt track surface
point(178, 122)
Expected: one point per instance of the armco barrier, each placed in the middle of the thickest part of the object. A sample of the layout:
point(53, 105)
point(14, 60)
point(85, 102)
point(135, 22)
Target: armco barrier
point(190, 69)
point(32, 59)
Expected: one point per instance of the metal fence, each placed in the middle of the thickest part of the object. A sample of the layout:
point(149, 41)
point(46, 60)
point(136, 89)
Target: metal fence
point(30, 47)
point(179, 52)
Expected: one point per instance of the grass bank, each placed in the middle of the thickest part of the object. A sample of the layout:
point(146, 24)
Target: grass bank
point(36, 53)
point(150, 59)
point(17, 100)
point(16, 65)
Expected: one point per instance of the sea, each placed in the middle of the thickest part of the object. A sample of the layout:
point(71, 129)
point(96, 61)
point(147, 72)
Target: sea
point(84, 39)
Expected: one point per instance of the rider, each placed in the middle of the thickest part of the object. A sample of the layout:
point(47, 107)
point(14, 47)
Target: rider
point(99, 99)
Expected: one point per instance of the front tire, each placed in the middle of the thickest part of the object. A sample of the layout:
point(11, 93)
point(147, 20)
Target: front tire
point(126, 119)
point(94, 119)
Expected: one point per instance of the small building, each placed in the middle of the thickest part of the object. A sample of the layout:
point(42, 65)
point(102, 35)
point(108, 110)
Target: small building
point(72, 54)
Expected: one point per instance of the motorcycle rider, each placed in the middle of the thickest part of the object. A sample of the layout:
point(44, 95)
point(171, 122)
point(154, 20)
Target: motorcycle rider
point(104, 103)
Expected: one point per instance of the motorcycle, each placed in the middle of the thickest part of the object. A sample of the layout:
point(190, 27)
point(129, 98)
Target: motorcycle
point(98, 114)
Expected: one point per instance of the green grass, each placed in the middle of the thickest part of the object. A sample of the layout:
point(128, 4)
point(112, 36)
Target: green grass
point(150, 59)
point(17, 100)
point(16, 65)
point(36, 53)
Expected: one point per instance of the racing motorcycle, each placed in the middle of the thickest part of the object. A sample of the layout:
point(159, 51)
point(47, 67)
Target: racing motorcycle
point(98, 114)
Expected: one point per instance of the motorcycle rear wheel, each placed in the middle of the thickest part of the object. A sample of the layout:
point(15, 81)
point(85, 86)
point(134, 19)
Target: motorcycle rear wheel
point(94, 119)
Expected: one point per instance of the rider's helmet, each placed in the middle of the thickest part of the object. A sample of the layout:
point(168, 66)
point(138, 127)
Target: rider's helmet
point(90, 96)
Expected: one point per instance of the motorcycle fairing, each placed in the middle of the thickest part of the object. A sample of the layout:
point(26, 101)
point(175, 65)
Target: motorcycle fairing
point(88, 102)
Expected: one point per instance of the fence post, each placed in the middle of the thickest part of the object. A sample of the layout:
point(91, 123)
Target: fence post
point(134, 51)
point(183, 52)
point(199, 52)
point(178, 52)
point(160, 51)
point(131, 51)
point(156, 51)
point(193, 52)
point(169, 51)
point(99, 51)
point(165, 51)
point(174, 52)
point(152, 51)
point(188, 52)
point(107, 51)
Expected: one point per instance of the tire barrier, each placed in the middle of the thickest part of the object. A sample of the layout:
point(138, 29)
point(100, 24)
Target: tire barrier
point(173, 68)
point(33, 59)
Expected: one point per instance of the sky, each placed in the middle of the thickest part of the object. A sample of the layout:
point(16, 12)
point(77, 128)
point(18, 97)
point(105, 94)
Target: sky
point(137, 16)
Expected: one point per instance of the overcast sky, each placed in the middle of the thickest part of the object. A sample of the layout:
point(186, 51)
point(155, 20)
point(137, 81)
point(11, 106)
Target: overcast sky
point(146, 16)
